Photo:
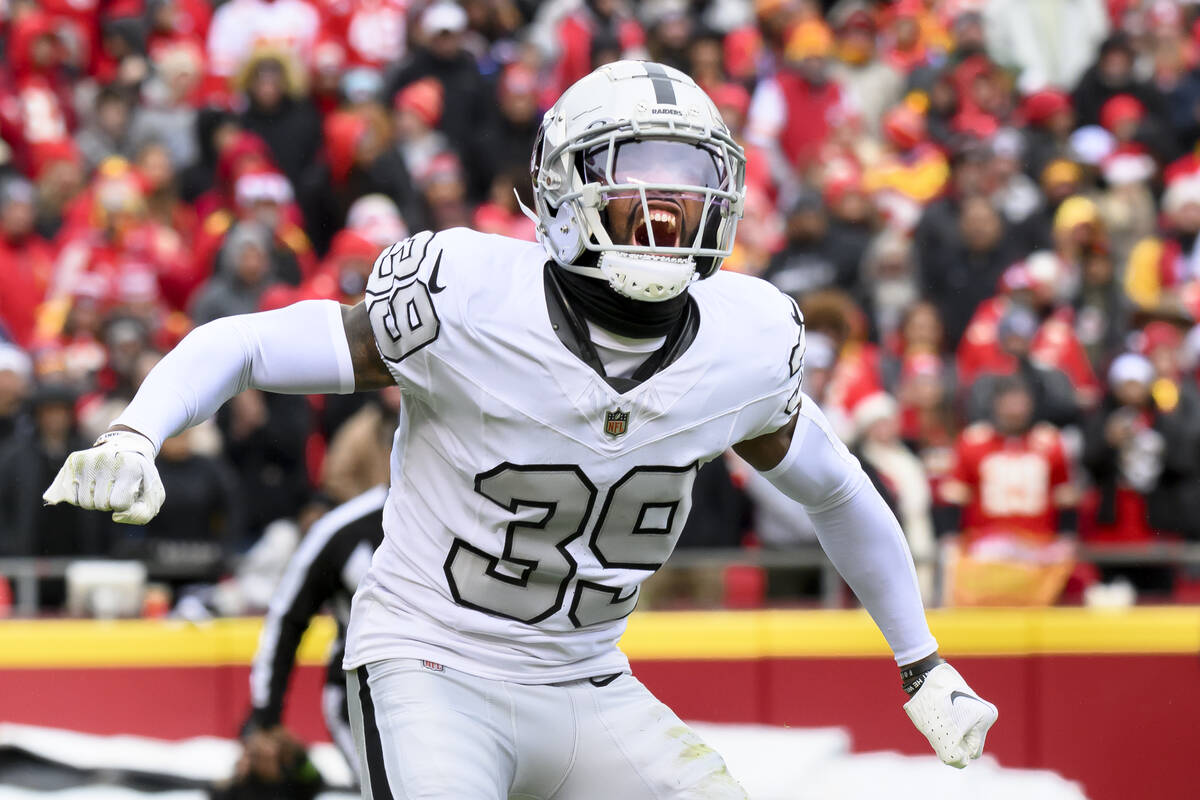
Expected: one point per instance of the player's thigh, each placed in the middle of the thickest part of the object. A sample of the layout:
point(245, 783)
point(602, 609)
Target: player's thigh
point(429, 735)
point(633, 747)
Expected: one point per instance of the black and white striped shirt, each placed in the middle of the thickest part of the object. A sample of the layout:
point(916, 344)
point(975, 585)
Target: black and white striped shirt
point(324, 571)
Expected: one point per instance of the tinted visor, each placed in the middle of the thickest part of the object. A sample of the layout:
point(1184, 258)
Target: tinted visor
point(656, 161)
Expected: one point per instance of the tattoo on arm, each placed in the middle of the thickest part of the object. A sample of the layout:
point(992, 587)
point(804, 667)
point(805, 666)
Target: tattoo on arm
point(369, 370)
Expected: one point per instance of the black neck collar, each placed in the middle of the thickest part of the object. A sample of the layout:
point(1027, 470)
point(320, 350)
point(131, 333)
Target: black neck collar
point(569, 314)
point(636, 319)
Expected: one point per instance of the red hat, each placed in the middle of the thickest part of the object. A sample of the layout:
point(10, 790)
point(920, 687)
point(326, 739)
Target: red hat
point(904, 127)
point(1121, 108)
point(262, 184)
point(351, 244)
point(424, 98)
point(343, 131)
point(732, 95)
point(1039, 107)
point(1160, 334)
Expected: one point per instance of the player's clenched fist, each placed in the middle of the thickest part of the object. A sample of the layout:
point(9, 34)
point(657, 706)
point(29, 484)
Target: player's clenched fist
point(117, 474)
point(952, 716)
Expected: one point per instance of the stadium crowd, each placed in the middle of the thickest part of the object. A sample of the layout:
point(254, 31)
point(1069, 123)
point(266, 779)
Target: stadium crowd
point(988, 210)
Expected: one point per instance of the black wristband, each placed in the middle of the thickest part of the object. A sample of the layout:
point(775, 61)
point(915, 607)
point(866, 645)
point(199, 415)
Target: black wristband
point(1068, 520)
point(913, 675)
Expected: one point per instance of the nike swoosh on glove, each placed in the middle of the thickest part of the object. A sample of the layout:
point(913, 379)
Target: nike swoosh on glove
point(952, 716)
point(117, 474)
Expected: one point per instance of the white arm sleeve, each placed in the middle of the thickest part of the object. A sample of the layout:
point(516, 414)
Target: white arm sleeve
point(300, 349)
point(857, 531)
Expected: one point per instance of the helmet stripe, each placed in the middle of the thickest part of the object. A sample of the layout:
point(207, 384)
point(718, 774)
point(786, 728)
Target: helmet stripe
point(664, 87)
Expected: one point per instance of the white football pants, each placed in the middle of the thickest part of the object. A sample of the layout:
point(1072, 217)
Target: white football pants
point(426, 732)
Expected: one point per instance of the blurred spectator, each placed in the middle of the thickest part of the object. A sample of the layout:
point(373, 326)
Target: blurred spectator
point(1112, 74)
point(1159, 266)
point(1140, 449)
point(575, 35)
point(359, 455)
point(888, 282)
point(1049, 120)
point(872, 85)
point(278, 109)
point(26, 261)
point(1011, 475)
point(200, 522)
point(107, 133)
point(36, 114)
point(28, 462)
point(504, 145)
point(239, 26)
point(1051, 390)
point(1047, 44)
point(966, 268)
point(167, 113)
point(359, 160)
point(16, 370)
point(441, 56)
point(793, 112)
point(265, 439)
point(243, 273)
point(811, 259)
point(877, 423)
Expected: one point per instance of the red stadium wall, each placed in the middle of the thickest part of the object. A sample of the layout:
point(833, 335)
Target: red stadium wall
point(1107, 699)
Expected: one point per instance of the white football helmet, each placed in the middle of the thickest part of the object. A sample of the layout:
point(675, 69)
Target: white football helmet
point(646, 134)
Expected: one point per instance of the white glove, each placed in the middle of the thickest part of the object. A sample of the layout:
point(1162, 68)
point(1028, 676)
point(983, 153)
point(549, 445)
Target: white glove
point(952, 716)
point(117, 475)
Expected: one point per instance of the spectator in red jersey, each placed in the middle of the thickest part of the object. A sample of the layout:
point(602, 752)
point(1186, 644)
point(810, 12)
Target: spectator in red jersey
point(1140, 449)
point(26, 262)
point(596, 18)
point(239, 26)
point(35, 89)
point(502, 214)
point(111, 236)
point(1011, 478)
point(160, 188)
point(374, 32)
point(1038, 283)
point(793, 113)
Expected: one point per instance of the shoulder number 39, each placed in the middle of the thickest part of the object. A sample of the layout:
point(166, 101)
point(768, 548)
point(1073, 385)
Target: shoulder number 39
point(639, 522)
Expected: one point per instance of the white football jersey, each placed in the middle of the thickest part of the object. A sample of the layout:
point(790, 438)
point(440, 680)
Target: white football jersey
point(529, 498)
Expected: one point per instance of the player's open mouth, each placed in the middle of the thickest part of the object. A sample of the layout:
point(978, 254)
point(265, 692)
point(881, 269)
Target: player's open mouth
point(664, 222)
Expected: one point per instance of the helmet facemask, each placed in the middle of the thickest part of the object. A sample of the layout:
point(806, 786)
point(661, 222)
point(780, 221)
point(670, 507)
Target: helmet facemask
point(658, 204)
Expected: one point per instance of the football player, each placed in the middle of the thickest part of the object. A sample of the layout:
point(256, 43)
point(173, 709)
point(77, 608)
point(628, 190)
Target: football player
point(559, 398)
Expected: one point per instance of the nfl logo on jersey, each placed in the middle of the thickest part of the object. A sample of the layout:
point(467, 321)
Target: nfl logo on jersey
point(615, 422)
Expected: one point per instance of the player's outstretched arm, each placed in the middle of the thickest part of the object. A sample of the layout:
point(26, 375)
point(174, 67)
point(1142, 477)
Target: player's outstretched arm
point(807, 462)
point(313, 347)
